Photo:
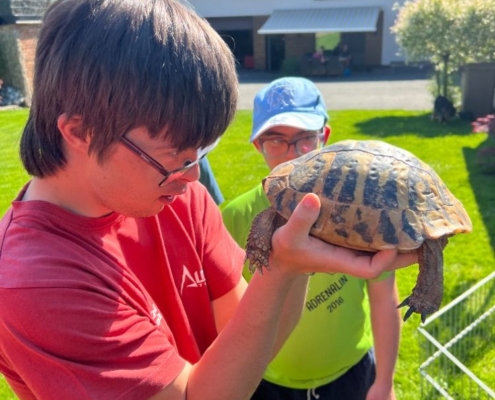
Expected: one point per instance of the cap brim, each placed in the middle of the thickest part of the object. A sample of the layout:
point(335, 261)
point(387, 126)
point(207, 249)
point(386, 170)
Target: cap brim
point(310, 122)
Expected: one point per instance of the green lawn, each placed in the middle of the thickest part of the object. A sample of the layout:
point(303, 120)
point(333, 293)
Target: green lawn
point(327, 40)
point(450, 150)
point(13, 176)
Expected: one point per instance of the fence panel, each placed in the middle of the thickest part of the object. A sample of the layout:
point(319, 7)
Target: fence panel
point(457, 347)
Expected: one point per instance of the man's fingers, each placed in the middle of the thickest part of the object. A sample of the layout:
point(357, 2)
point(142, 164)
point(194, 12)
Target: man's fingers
point(385, 257)
point(383, 260)
point(362, 264)
point(404, 260)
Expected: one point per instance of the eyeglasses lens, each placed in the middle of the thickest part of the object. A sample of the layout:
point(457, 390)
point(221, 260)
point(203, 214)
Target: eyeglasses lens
point(280, 147)
point(307, 144)
point(173, 175)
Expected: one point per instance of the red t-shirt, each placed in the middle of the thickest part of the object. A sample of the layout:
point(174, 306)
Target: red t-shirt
point(109, 308)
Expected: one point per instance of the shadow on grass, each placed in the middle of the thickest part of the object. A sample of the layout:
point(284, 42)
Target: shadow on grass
point(483, 184)
point(419, 125)
point(462, 287)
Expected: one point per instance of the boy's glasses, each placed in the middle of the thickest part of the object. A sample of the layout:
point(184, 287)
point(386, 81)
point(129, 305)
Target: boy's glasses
point(168, 176)
point(277, 147)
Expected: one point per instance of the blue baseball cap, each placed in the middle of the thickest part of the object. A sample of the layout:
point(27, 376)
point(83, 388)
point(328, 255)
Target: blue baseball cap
point(290, 101)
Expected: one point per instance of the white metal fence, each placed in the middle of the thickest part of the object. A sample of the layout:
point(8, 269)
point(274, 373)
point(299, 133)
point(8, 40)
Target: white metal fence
point(457, 347)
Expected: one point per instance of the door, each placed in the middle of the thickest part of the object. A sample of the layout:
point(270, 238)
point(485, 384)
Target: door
point(275, 52)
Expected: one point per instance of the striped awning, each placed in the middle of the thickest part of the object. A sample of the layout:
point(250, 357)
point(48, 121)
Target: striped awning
point(345, 19)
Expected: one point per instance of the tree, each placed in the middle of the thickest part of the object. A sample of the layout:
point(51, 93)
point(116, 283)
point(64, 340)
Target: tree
point(448, 33)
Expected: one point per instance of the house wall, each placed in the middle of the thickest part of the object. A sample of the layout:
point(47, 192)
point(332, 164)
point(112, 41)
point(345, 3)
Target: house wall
point(297, 44)
point(259, 44)
point(18, 47)
point(373, 44)
point(237, 8)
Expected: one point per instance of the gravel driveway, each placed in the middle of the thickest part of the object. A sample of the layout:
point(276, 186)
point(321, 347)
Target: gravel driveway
point(382, 89)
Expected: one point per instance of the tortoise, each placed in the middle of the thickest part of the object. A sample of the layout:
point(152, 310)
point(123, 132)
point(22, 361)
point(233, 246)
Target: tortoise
point(373, 196)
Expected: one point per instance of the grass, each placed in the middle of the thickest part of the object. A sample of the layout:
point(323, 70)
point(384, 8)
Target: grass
point(13, 176)
point(450, 150)
point(327, 40)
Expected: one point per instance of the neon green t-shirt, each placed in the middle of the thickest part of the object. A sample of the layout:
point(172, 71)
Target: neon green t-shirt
point(334, 332)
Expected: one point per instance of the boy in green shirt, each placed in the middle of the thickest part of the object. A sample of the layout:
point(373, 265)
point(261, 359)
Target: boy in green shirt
point(347, 321)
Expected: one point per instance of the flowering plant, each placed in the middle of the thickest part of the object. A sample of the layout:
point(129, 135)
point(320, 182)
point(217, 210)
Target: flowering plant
point(485, 124)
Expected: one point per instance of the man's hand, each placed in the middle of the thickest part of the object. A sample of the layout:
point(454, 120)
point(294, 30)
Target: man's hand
point(294, 250)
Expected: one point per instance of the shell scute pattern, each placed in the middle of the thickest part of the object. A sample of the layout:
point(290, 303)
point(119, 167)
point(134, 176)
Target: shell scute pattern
point(374, 196)
point(304, 179)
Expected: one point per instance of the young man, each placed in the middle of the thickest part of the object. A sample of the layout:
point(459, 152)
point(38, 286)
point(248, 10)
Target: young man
point(329, 356)
point(118, 279)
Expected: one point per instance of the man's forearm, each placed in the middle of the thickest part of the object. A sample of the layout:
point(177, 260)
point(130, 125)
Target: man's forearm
point(234, 364)
point(292, 311)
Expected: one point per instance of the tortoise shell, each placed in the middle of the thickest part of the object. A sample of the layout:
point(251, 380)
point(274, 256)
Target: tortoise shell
point(373, 195)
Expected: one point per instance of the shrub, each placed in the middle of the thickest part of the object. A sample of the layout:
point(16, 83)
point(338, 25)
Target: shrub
point(290, 66)
point(10, 96)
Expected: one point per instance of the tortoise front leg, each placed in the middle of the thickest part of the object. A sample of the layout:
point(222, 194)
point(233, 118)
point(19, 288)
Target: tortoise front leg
point(259, 242)
point(428, 293)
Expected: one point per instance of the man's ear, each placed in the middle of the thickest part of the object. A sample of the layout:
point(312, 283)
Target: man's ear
point(71, 131)
point(327, 131)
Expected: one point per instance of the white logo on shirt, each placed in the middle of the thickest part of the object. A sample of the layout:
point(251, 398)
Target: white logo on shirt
point(156, 316)
point(197, 279)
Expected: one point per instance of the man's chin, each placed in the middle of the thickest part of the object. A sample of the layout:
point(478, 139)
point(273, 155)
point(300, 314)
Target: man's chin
point(151, 212)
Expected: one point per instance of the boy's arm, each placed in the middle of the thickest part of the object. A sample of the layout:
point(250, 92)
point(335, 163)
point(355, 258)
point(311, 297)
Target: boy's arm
point(386, 326)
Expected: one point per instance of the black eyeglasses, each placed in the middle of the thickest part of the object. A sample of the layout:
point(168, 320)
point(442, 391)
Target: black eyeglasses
point(278, 147)
point(168, 176)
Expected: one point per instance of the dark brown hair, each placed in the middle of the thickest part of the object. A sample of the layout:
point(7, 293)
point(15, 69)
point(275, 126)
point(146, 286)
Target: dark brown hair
point(120, 64)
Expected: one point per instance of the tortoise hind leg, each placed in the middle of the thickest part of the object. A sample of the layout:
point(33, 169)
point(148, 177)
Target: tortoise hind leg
point(259, 242)
point(428, 293)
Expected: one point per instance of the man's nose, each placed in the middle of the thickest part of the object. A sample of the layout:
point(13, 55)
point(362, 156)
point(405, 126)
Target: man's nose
point(192, 174)
point(292, 151)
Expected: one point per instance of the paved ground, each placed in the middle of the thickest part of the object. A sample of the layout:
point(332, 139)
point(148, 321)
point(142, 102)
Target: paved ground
point(382, 89)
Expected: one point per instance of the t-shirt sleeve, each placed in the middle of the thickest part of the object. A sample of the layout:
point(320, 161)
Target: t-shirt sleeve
point(93, 342)
point(222, 258)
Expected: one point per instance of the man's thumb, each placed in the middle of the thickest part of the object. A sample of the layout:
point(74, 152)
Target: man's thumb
point(305, 214)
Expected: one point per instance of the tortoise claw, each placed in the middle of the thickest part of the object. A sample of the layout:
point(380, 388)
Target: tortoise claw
point(404, 303)
point(409, 311)
point(408, 314)
point(253, 267)
point(256, 262)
